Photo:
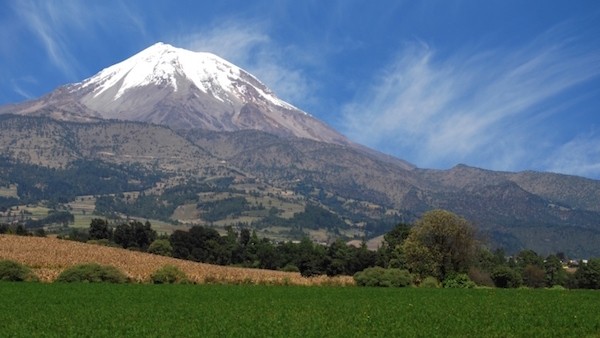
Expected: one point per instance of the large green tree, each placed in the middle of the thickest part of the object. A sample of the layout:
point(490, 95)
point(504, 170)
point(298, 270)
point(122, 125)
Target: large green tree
point(588, 274)
point(555, 274)
point(134, 235)
point(391, 250)
point(440, 244)
point(99, 229)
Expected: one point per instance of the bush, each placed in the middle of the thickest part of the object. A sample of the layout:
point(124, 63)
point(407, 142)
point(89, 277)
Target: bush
point(505, 277)
point(92, 273)
point(481, 278)
point(460, 281)
point(430, 283)
point(161, 247)
point(15, 272)
point(378, 276)
point(290, 268)
point(103, 242)
point(169, 274)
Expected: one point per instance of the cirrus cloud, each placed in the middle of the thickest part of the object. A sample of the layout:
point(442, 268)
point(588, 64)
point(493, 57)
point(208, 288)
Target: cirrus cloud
point(483, 108)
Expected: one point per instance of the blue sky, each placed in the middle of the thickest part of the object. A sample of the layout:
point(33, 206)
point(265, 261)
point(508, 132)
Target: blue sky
point(502, 85)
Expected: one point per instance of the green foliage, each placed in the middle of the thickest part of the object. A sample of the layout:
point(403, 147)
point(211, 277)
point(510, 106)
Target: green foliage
point(430, 282)
point(38, 183)
point(15, 272)
point(103, 242)
point(99, 229)
point(151, 206)
point(54, 217)
point(505, 277)
point(555, 274)
point(40, 232)
point(79, 235)
point(169, 274)
point(134, 235)
point(92, 273)
point(485, 259)
point(216, 210)
point(534, 276)
point(391, 250)
point(290, 268)
point(529, 257)
point(161, 247)
point(378, 276)
point(199, 244)
point(316, 217)
point(587, 275)
point(481, 278)
point(459, 281)
point(440, 244)
point(148, 206)
point(313, 217)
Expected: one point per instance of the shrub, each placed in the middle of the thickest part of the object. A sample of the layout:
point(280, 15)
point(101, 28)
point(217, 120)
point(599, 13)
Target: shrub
point(430, 282)
point(505, 277)
point(534, 276)
point(169, 274)
point(103, 242)
point(161, 247)
point(15, 272)
point(290, 268)
point(92, 273)
point(481, 278)
point(459, 281)
point(378, 276)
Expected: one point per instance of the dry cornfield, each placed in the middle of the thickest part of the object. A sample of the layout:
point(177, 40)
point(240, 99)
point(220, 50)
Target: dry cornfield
point(48, 257)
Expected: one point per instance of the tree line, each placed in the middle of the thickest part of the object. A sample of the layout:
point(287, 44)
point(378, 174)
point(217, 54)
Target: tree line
point(242, 248)
point(440, 247)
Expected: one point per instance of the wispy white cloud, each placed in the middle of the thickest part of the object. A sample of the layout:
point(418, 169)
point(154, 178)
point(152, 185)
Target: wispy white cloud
point(57, 24)
point(579, 156)
point(20, 86)
point(49, 21)
point(248, 45)
point(478, 107)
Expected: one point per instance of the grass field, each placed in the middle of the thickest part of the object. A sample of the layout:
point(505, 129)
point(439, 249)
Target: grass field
point(9, 191)
point(103, 310)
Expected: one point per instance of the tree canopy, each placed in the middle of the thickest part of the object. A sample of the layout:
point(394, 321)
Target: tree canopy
point(440, 244)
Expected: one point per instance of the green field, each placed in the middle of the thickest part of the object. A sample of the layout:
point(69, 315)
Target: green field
point(133, 310)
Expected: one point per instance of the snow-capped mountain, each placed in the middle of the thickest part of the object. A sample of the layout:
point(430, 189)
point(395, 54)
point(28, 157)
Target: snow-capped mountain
point(182, 89)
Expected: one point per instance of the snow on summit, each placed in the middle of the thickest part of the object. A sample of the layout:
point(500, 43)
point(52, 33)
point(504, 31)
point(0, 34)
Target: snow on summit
point(181, 89)
point(162, 64)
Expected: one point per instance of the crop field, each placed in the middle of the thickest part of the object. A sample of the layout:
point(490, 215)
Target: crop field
point(9, 191)
point(48, 257)
point(137, 310)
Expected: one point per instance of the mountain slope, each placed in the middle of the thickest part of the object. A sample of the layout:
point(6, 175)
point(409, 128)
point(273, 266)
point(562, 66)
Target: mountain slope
point(181, 89)
point(214, 134)
point(365, 190)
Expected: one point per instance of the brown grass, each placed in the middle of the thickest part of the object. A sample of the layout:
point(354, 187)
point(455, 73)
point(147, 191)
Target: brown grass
point(48, 257)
